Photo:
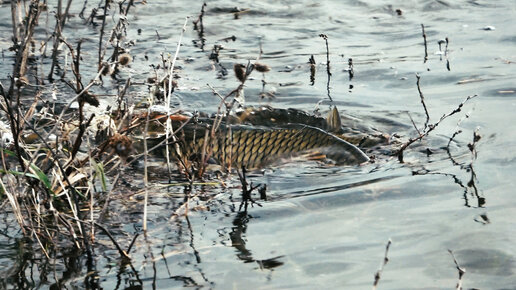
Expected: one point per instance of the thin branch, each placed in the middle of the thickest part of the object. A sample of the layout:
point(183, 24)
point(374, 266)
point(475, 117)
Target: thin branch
point(422, 100)
point(413, 123)
point(378, 273)
point(328, 72)
point(102, 31)
point(424, 40)
point(428, 127)
point(462, 271)
point(168, 96)
point(145, 170)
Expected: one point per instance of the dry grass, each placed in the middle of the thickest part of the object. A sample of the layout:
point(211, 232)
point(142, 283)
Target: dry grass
point(50, 178)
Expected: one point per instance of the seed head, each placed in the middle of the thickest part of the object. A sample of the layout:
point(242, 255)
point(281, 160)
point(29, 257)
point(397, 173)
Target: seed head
point(263, 68)
point(239, 71)
point(124, 59)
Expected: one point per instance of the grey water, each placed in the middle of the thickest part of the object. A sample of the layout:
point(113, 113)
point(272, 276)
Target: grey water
point(321, 225)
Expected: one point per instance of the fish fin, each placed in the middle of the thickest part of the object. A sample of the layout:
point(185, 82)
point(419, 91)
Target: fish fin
point(333, 120)
point(313, 155)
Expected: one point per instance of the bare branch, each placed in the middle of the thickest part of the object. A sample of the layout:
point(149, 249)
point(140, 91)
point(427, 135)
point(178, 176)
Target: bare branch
point(385, 261)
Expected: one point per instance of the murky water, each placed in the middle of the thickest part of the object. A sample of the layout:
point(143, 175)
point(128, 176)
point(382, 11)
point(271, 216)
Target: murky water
point(322, 226)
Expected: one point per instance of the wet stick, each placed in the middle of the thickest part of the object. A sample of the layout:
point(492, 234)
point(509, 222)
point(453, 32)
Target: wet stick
point(462, 271)
point(446, 54)
point(247, 189)
point(58, 30)
point(84, 98)
point(218, 121)
point(471, 182)
point(414, 123)
point(424, 42)
point(328, 72)
point(422, 97)
point(311, 61)
point(12, 100)
point(91, 190)
point(168, 97)
point(351, 72)
point(428, 127)
point(455, 134)
point(378, 273)
point(199, 26)
point(102, 27)
point(145, 171)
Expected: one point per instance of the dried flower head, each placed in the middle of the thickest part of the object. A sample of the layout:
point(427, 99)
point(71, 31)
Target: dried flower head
point(105, 69)
point(164, 82)
point(89, 98)
point(121, 144)
point(263, 68)
point(151, 80)
point(239, 72)
point(124, 59)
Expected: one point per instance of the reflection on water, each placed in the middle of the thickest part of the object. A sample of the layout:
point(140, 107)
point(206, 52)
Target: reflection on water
point(322, 225)
point(237, 237)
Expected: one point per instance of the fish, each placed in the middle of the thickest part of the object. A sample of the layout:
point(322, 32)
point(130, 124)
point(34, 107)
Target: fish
point(251, 147)
point(242, 141)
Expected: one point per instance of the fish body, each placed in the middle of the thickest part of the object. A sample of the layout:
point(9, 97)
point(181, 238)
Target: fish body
point(253, 147)
point(256, 138)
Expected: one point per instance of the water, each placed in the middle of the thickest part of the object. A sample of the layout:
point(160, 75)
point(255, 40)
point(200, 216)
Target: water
point(321, 225)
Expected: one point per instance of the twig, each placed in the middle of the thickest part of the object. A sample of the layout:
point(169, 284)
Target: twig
point(428, 127)
point(131, 3)
point(325, 37)
point(132, 243)
point(462, 271)
point(311, 61)
point(413, 123)
point(422, 99)
point(246, 192)
point(102, 31)
point(351, 72)
point(328, 72)
point(145, 170)
point(60, 21)
point(457, 132)
point(200, 27)
point(168, 96)
point(424, 40)
point(385, 261)
point(78, 139)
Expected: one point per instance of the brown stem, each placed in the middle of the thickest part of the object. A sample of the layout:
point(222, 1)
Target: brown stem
point(102, 31)
point(424, 40)
point(422, 100)
point(385, 261)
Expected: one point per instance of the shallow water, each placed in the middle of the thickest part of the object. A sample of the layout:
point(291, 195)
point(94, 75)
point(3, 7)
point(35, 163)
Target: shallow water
point(321, 225)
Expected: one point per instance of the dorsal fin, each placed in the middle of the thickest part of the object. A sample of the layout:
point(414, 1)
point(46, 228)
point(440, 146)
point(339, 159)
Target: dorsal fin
point(333, 120)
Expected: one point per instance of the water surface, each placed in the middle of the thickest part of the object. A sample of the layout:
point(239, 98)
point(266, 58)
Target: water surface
point(322, 225)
